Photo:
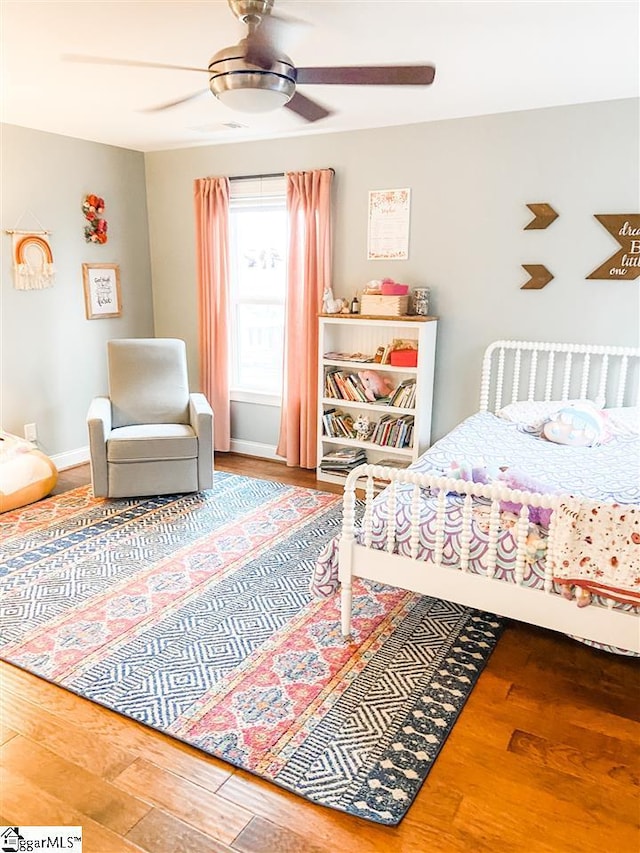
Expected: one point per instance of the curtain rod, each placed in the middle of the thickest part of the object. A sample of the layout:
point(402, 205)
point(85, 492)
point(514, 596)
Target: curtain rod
point(256, 177)
point(271, 175)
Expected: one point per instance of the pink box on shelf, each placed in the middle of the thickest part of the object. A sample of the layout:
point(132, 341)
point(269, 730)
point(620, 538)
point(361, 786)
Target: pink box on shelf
point(392, 288)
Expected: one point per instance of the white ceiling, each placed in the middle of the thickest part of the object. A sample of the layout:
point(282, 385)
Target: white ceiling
point(490, 57)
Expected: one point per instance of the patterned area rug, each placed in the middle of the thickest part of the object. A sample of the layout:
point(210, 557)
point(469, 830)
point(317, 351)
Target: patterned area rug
point(192, 614)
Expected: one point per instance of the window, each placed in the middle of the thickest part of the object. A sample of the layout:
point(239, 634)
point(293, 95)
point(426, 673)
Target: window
point(258, 253)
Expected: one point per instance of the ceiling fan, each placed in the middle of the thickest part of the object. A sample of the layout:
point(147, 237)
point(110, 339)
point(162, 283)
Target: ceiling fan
point(255, 75)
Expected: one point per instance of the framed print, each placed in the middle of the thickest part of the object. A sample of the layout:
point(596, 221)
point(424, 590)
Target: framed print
point(388, 238)
point(101, 291)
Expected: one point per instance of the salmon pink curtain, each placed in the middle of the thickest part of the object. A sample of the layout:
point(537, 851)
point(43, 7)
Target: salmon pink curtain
point(211, 197)
point(308, 274)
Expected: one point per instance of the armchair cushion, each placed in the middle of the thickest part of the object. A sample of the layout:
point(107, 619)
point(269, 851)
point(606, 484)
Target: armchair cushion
point(157, 442)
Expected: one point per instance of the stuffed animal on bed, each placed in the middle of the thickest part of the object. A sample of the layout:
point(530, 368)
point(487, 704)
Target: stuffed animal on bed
point(471, 473)
point(524, 483)
point(578, 425)
point(375, 384)
point(512, 479)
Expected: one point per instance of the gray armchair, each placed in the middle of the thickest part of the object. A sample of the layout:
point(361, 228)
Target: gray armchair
point(150, 436)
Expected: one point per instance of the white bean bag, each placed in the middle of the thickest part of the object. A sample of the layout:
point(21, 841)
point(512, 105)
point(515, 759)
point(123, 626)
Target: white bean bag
point(26, 474)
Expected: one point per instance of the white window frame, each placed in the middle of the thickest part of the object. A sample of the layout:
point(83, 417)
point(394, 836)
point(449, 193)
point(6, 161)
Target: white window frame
point(252, 193)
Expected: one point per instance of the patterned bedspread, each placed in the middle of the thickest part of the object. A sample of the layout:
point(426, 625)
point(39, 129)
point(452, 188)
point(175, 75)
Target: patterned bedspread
point(606, 473)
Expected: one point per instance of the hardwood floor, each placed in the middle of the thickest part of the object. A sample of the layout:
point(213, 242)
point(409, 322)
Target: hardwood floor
point(543, 759)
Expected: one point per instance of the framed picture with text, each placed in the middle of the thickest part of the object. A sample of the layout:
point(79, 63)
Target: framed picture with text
point(101, 291)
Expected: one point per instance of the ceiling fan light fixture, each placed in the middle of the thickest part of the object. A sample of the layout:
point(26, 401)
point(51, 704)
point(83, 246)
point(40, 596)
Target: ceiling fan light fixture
point(248, 89)
point(252, 93)
point(252, 100)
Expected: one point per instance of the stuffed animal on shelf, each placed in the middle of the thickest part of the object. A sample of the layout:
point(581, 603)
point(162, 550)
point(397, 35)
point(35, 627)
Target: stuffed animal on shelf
point(362, 426)
point(375, 384)
point(330, 305)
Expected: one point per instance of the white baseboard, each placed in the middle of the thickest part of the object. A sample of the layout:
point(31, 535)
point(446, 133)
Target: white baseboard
point(255, 448)
point(70, 458)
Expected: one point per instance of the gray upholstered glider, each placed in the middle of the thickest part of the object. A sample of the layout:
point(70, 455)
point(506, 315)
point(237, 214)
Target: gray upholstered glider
point(150, 436)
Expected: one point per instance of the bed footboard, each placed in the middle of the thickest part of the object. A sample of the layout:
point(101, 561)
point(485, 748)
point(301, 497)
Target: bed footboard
point(429, 575)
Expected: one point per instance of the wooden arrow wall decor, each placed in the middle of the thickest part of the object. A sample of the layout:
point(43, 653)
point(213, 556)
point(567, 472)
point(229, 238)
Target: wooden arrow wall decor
point(543, 216)
point(623, 265)
point(539, 277)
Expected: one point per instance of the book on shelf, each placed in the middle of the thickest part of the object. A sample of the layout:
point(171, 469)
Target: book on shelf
point(339, 385)
point(340, 472)
point(348, 356)
point(391, 431)
point(338, 424)
point(344, 386)
point(383, 353)
point(391, 462)
point(404, 396)
point(342, 460)
point(341, 454)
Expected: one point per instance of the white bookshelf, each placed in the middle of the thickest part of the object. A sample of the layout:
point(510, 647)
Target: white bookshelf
point(360, 334)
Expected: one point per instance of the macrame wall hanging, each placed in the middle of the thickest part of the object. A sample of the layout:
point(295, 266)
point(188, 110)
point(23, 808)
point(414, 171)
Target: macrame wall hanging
point(32, 258)
point(32, 261)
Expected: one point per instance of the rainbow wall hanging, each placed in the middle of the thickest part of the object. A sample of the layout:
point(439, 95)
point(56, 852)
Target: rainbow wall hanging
point(32, 261)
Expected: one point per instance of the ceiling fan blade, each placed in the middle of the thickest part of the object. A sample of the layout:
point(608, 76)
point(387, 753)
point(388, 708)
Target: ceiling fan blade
point(176, 102)
point(306, 108)
point(370, 75)
point(105, 60)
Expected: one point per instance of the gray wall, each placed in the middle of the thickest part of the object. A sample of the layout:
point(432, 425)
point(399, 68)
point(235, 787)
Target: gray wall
point(53, 359)
point(471, 180)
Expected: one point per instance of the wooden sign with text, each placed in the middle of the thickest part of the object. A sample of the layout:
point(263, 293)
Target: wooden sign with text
point(623, 265)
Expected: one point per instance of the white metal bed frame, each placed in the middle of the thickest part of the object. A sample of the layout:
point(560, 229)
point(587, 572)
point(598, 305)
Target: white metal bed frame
point(529, 371)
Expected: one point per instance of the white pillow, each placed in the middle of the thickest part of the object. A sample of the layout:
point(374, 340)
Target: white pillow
point(624, 420)
point(532, 414)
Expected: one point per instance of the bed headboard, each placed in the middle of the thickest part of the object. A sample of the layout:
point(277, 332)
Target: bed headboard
point(535, 370)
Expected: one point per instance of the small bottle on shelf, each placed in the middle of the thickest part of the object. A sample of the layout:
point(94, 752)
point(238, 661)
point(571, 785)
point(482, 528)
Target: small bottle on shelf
point(355, 306)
